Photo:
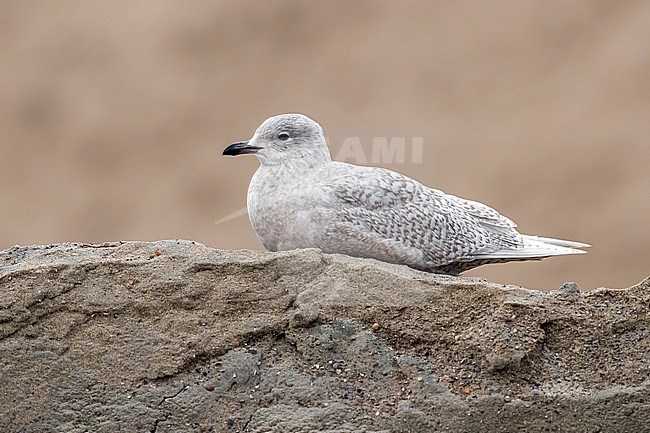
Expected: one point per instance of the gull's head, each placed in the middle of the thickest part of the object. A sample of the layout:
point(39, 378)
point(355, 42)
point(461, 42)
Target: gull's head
point(283, 139)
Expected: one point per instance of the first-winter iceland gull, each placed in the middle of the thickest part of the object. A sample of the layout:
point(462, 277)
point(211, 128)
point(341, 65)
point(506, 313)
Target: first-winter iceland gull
point(300, 198)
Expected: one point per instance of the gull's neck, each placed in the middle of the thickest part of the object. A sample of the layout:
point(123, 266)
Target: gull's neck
point(295, 167)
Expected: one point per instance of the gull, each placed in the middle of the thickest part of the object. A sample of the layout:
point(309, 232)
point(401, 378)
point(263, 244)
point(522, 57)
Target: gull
point(300, 198)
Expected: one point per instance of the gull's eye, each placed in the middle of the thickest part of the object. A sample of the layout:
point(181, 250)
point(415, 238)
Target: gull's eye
point(283, 136)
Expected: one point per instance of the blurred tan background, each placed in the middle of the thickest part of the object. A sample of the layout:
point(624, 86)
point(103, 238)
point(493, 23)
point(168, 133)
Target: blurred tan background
point(113, 114)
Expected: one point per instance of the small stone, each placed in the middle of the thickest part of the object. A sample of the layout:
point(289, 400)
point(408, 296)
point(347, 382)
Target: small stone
point(569, 288)
point(158, 253)
point(209, 387)
point(139, 424)
point(507, 398)
point(466, 390)
point(230, 422)
point(376, 326)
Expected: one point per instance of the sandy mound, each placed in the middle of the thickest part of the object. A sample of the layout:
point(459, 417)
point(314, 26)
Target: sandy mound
point(175, 336)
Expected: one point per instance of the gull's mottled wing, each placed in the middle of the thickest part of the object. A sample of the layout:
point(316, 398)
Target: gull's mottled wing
point(399, 219)
point(501, 229)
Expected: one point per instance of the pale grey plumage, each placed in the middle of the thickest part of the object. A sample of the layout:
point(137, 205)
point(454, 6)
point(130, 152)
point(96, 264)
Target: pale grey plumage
point(300, 198)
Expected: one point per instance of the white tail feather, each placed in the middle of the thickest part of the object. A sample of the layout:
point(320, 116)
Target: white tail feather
point(537, 247)
point(558, 242)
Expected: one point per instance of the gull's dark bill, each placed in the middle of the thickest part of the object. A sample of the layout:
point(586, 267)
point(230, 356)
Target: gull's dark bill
point(241, 148)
